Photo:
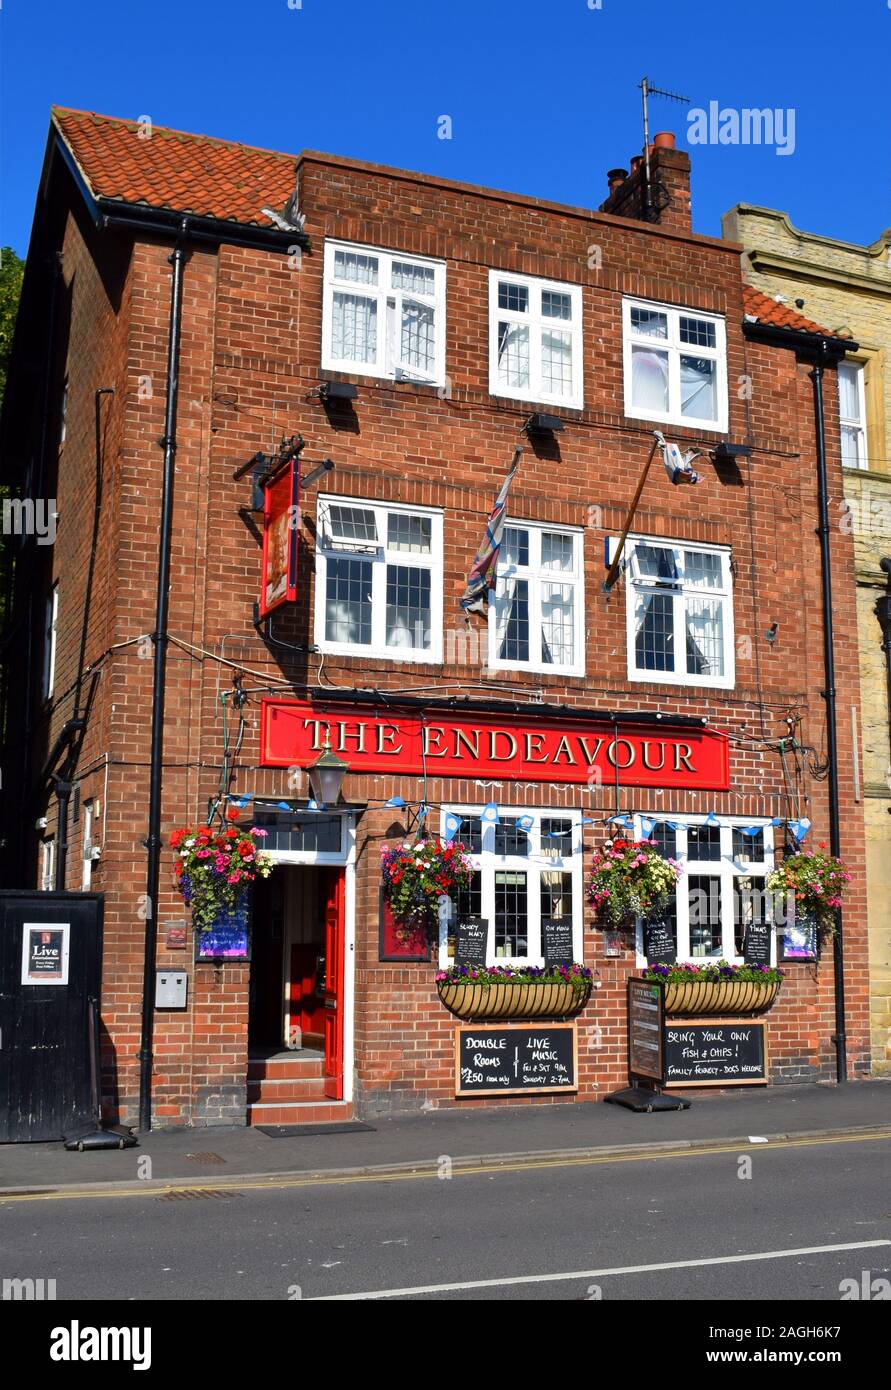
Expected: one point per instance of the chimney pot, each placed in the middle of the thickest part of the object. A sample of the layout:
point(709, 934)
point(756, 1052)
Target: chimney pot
point(636, 162)
point(664, 140)
point(615, 178)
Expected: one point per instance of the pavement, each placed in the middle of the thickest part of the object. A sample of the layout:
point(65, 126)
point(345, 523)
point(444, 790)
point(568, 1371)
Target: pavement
point(214, 1157)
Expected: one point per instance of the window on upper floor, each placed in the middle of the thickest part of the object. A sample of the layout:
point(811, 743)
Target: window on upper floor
point(535, 340)
point(537, 620)
point(383, 314)
point(675, 365)
point(378, 580)
point(679, 607)
point(852, 414)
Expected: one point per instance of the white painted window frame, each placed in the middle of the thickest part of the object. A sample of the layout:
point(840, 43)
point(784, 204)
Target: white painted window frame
point(386, 363)
point(489, 863)
point(860, 424)
point(675, 349)
point(87, 847)
point(51, 621)
point(725, 593)
point(536, 577)
point(377, 650)
point(48, 864)
point(312, 857)
point(536, 323)
point(726, 869)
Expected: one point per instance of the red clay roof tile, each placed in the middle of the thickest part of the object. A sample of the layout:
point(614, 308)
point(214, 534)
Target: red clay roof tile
point(767, 310)
point(170, 169)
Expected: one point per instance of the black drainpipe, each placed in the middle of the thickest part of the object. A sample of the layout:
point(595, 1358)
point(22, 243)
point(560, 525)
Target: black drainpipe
point(823, 530)
point(818, 350)
point(160, 639)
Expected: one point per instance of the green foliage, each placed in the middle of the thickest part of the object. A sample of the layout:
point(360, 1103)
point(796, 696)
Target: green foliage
point(12, 271)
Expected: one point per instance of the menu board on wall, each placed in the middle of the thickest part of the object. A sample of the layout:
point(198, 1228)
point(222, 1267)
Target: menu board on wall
point(471, 940)
point(556, 941)
point(660, 943)
point(516, 1058)
point(756, 946)
point(721, 1052)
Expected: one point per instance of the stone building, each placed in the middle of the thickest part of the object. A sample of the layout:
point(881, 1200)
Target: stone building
point(848, 288)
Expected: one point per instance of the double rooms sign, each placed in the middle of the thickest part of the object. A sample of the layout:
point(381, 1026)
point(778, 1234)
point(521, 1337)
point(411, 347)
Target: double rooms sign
point(536, 747)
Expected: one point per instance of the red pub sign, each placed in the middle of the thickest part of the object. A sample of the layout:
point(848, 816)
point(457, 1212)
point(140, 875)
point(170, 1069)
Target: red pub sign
point(537, 748)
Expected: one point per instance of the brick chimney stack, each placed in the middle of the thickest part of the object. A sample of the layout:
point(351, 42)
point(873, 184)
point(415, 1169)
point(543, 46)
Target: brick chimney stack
point(669, 187)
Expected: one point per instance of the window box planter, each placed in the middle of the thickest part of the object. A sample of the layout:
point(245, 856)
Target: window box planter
point(515, 999)
point(719, 996)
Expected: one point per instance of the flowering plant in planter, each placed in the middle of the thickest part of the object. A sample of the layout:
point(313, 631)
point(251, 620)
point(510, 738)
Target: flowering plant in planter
point(215, 869)
point(575, 975)
point(416, 876)
point(818, 881)
point(629, 879)
point(687, 972)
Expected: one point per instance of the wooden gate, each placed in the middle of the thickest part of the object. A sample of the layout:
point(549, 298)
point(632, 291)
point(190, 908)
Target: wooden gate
point(50, 970)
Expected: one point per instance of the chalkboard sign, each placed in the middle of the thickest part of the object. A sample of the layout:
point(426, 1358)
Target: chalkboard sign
point(515, 1058)
point(660, 943)
point(471, 940)
point(556, 941)
point(756, 946)
point(721, 1052)
point(645, 1020)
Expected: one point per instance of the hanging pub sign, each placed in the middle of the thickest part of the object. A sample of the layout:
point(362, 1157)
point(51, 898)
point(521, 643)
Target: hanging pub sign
point(535, 747)
point(281, 500)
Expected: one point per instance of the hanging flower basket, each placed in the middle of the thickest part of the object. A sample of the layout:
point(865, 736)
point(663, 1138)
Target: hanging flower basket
point(629, 879)
point(415, 877)
point(717, 989)
point(813, 883)
point(215, 868)
point(511, 993)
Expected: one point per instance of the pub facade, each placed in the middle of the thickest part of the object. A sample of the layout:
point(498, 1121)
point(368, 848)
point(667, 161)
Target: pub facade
point(351, 399)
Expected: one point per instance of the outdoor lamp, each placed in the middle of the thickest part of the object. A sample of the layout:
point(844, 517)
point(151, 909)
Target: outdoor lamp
point(326, 775)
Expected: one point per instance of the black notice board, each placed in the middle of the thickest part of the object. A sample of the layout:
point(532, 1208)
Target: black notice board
point(660, 944)
point(516, 1058)
point(471, 940)
point(556, 941)
point(645, 1030)
point(718, 1052)
point(756, 946)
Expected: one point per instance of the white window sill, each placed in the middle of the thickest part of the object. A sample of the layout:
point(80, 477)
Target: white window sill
point(682, 422)
point(670, 678)
point(353, 368)
point(402, 654)
point(554, 404)
point(577, 671)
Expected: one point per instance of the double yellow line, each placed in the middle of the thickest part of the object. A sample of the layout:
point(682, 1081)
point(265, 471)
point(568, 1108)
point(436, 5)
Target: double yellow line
point(432, 1172)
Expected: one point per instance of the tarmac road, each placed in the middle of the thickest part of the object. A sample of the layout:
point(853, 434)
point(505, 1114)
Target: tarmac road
point(814, 1212)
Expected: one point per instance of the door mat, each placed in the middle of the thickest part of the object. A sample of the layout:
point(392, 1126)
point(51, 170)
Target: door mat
point(297, 1131)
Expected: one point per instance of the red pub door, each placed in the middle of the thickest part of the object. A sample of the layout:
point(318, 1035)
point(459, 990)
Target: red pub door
point(335, 914)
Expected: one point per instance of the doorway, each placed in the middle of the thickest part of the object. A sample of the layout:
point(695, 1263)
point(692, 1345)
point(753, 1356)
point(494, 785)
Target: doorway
point(297, 997)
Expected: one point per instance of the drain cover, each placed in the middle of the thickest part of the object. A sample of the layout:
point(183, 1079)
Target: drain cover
point(205, 1158)
point(191, 1194)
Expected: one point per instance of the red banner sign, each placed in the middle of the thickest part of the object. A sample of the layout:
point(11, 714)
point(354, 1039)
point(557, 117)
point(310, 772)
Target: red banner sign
point(280, 503)
point(537, 748)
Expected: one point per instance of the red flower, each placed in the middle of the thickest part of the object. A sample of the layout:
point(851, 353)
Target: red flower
point(232, 813)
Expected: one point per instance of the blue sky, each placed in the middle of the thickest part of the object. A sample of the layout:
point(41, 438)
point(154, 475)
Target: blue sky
point(542, 96)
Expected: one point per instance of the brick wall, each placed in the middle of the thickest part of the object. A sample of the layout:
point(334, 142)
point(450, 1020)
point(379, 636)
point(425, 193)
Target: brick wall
point(250, 361)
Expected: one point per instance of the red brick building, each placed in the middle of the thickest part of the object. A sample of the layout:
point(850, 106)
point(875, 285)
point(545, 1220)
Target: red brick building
point(457, 313)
